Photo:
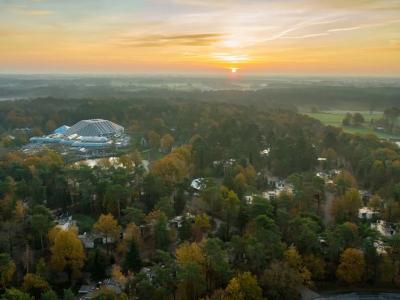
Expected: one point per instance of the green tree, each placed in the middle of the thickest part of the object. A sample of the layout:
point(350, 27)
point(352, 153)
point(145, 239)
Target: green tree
point(191, 280)
point(231, 204)
point(347, 119)
point(281, 281)
point(97, 264)
point(358, 119)
point(165, 204)
point(303, 233)
point(161, 233)
point(41, 224)
point(69, 295)
point(49, 295)
point(115, 199)
point(15, 294)
point(132, 259)
point(218, 269)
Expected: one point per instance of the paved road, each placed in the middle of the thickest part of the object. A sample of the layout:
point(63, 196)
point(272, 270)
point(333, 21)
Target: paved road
point(362, 296)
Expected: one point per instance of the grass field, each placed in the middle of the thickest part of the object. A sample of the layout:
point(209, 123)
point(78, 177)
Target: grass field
point(334, 118)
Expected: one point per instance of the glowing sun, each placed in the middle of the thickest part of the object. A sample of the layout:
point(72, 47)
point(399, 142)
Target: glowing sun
point(234, 70)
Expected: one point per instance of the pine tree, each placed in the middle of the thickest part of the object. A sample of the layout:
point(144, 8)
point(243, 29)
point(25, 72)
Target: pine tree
point(69, 295)
point(132, 259)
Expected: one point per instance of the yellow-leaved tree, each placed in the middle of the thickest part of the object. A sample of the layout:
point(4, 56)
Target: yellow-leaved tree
point(190, 253)
point(67, 252)
point(292, 257)
point(243, 287)
point(107, 226)
point(352, 266)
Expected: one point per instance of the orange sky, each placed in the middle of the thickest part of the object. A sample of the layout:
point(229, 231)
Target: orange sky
point(352, 37)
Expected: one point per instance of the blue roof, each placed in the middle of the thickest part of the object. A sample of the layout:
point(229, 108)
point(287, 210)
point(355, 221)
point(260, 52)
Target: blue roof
point(90, 145)
point(62, 129)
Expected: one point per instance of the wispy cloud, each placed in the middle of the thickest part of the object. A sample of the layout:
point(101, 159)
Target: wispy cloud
point(197, 39)
point(35, 12)
point(344, 29)
point(27, 10)
point(307, 36)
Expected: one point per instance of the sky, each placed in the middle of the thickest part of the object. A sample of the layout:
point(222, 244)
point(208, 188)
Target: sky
point(318, 37)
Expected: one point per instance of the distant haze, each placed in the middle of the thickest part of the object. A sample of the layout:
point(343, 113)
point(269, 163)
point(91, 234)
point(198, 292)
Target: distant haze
point(301, 92)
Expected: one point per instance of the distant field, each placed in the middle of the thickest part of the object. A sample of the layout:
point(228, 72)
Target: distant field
point(335, 117)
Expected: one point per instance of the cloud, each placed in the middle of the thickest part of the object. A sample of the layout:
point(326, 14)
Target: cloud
point(345, 29)
point(231, 57)
point(198, 39)
point(314, 4)
point(307, 36)
point(36, 12)
point(28, 10)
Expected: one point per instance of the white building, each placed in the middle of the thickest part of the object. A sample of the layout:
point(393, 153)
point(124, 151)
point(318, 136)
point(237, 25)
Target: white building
point(366, 213)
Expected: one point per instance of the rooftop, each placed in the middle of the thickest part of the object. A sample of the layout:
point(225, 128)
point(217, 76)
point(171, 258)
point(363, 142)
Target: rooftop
point(94, 127)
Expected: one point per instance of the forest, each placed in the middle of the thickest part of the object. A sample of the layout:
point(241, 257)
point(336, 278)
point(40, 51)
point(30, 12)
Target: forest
point(121, 231)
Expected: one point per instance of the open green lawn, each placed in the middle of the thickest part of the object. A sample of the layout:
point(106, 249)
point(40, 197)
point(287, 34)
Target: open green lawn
point(335, 117)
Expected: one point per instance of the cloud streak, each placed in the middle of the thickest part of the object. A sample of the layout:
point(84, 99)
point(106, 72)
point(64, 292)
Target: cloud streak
point(198, 39)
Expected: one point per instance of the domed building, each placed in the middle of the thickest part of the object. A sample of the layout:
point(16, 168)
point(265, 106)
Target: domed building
point(94, 127)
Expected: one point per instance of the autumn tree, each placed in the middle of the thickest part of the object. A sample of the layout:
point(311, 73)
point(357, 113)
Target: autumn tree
point(191, 273)
point(174, 167)
point(118, 276)
point(316, 265)
point(154, 139)
point(352, 266)
point(243, 287)
point(240, 184)
point(187, 253)
point(201, 225)
point(107, 226)
point(375, 202)
point(345, 208)
point(7, 269)
point(294, 260)
point(35, 285)
point(132, 233)
point(67, 252)
point(344, 181)
point(166, 142)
